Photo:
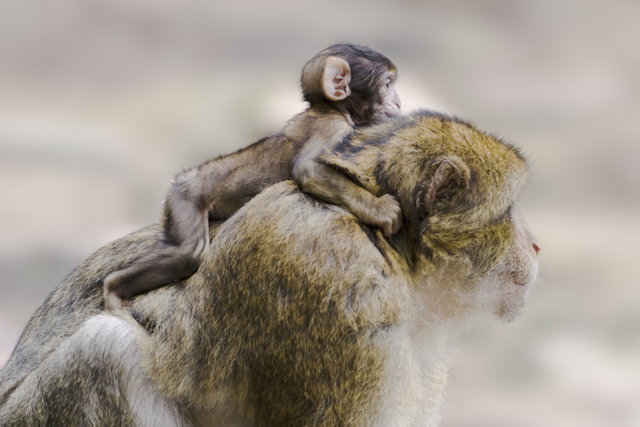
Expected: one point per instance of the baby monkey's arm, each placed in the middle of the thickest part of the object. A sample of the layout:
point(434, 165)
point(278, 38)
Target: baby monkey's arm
point(336, 188)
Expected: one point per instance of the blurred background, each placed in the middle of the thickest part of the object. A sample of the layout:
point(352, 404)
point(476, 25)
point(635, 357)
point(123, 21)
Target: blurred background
point(102, 101)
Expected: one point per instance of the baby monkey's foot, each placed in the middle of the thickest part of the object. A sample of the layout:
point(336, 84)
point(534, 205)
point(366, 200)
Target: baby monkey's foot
point(113, 302)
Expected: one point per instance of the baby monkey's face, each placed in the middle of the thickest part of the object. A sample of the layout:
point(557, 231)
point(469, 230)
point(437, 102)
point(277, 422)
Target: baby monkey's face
point(389, 104)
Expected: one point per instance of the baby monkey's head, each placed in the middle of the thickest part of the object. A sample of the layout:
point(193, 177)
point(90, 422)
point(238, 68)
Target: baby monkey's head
point(353, 79)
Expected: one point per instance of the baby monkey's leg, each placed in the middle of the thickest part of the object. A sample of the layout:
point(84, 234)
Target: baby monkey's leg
point(175, 256)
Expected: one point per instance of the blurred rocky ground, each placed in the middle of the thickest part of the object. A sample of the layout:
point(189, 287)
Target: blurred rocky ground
point(102, 102)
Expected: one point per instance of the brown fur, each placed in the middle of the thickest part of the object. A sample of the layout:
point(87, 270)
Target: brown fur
point(300, 315)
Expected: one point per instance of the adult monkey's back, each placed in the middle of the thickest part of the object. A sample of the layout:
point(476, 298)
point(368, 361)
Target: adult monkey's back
point(301, 316)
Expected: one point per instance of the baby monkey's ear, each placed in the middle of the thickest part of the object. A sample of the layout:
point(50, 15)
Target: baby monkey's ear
point(336, 78)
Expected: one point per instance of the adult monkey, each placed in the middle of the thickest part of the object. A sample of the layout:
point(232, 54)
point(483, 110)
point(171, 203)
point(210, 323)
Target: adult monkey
point(299, 315)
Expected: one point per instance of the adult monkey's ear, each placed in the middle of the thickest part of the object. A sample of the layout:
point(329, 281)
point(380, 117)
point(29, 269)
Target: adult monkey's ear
point(336, 78)
point(450, 176)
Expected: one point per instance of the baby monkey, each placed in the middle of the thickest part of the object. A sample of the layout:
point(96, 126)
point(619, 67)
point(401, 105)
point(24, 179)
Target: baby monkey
point(345, 85)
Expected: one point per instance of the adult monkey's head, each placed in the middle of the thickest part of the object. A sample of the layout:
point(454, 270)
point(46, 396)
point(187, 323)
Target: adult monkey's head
point(458, 188)
point(353, 79)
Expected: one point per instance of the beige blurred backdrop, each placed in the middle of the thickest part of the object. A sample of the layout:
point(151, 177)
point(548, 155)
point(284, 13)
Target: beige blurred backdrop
point(102, 101)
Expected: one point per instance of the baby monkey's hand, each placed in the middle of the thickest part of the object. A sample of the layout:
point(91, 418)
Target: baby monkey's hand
point(387, 215)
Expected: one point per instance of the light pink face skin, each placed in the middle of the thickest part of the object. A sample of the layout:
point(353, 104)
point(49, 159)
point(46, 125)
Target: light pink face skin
point(519, 268)
point(390, 105)
point(526, 248)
